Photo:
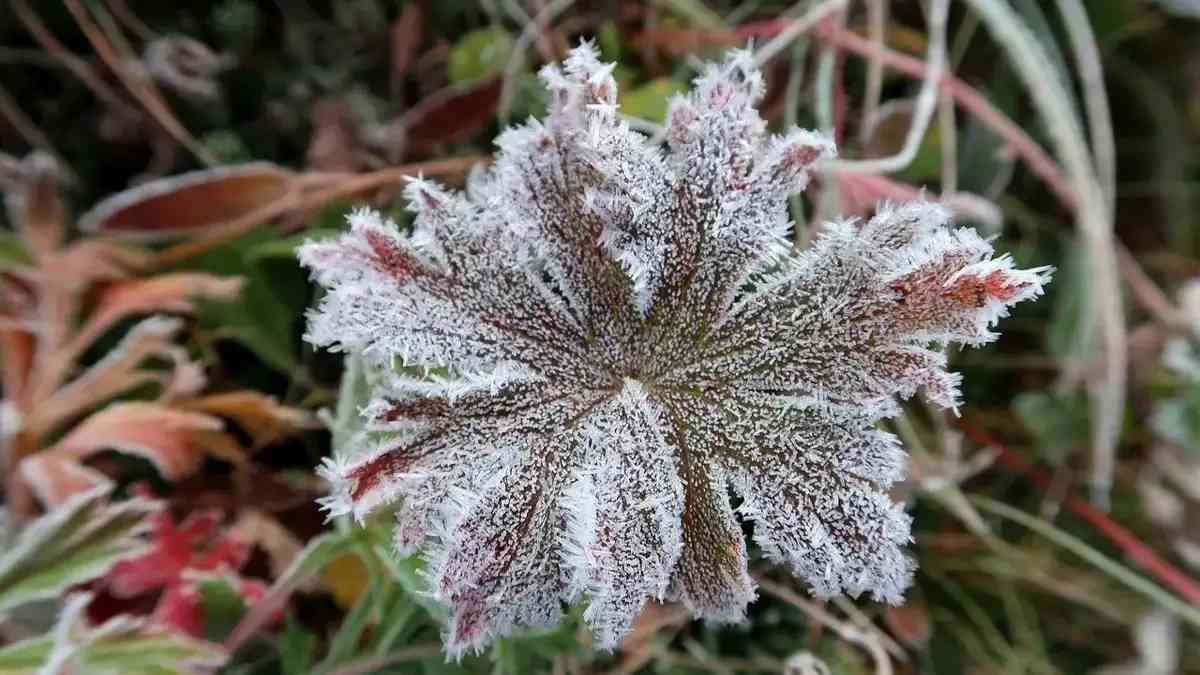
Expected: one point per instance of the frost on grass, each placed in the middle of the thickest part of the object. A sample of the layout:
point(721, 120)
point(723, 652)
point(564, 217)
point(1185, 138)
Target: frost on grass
point(629, 341)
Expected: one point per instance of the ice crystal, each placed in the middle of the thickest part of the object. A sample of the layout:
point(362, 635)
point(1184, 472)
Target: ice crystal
point(628, 339)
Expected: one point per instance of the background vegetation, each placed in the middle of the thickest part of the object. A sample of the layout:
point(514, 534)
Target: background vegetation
point(1057, 519)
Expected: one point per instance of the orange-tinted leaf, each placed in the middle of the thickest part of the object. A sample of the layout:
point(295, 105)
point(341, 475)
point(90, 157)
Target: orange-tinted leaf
point(165, 293)
point(257, 414)
point(190, 202)
point(346, 577)
point(16, 357)
point(87, 261)
point(120, 371)
point(168, 438)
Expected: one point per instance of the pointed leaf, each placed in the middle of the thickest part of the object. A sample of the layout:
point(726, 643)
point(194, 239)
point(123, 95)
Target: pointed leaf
point(79, 541)
point(191, 202)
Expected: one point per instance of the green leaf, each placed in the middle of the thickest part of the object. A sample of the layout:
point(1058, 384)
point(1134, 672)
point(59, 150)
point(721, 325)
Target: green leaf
point(695, 12)
point(609, 39)
point(479, 54)
point(25, 656)
point(1178, 419)
point(650, 100)
point(265, 316)
point(1058, 422)
point(296, 647)
point(1070, 336)
point(285, 249)
point(353, 394)
point(120, 646)
point(74, 543)
point(147, 654)
point(530, 98)
point(349, 635)
point(222, 605)
point(13, 251)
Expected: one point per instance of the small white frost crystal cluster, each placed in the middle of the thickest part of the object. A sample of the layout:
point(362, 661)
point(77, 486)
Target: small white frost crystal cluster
point(630, 339)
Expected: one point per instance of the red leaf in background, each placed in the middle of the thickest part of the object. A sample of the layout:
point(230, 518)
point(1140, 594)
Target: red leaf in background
point(192, 544)
point(182, 555)
point(450, 114)
point(190, 202)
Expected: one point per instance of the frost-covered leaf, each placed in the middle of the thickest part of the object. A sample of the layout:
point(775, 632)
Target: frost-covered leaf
point(615, 336)
point(76, 542)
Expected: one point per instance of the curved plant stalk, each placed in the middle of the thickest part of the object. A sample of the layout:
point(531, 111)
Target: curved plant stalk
point(870, 639)
point(1094, 219)
point(1095, 96)
point(791, 107)
point(516, 58)
point(948, 132)
point(1186, 611)
point(1133, 548)
point(1038, 161)
point(116, 55)
point(877, 15)
point(797, 28)
point(925, 106)
point(823, 108)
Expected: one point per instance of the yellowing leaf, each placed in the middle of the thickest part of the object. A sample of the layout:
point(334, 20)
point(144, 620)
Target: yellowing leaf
point(258, 414)
point(347, 579)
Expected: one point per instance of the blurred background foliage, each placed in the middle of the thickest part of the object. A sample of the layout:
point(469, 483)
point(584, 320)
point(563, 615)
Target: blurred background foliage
point(1019, 572)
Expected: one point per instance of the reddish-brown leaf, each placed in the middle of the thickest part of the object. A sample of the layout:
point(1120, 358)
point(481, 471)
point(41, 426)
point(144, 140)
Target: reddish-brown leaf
point(909, 623)
point(451, 114)
point(190, 202)
point(334, 144)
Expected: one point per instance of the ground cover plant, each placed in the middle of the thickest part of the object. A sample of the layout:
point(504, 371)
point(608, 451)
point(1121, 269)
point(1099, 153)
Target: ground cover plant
point(612, 337)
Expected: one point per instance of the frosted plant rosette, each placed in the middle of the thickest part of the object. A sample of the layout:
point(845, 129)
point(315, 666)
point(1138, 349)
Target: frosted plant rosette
point(631, 339)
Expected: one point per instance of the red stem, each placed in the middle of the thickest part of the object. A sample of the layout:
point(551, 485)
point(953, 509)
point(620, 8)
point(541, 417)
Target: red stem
point(1038, 161)
point(1118, 534)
